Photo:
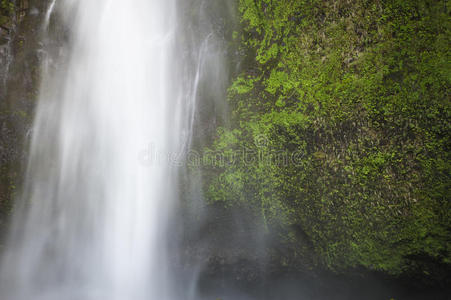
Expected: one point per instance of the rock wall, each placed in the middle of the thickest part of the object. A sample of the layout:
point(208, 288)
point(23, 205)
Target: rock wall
point(20, 52)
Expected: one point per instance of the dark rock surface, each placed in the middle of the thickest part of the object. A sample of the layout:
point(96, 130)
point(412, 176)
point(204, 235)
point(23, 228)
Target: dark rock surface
point(20, 55)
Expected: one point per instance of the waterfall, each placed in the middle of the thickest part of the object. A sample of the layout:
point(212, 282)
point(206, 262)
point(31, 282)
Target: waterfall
point(100, 184)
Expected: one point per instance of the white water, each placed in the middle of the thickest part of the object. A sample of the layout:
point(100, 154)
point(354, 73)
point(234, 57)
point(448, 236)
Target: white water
point(95, 210)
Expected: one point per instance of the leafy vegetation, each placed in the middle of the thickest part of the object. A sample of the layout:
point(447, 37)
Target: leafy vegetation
point(343, 110)
point(7, 9)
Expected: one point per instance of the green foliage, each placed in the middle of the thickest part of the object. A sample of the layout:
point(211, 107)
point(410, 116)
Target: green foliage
point(357, 94)
point(7, 8)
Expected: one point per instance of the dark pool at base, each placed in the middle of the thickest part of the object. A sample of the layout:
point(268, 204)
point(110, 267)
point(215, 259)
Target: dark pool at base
point(330, 288)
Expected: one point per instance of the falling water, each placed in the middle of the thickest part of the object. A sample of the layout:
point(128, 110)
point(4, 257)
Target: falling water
point(96, 200)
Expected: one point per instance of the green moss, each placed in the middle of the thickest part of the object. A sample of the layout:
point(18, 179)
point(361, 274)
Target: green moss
point(357, 96)
point(7, 8)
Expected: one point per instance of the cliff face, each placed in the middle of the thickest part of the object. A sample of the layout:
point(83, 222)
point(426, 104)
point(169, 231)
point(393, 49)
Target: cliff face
point(339, 139)
point(20, 52)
